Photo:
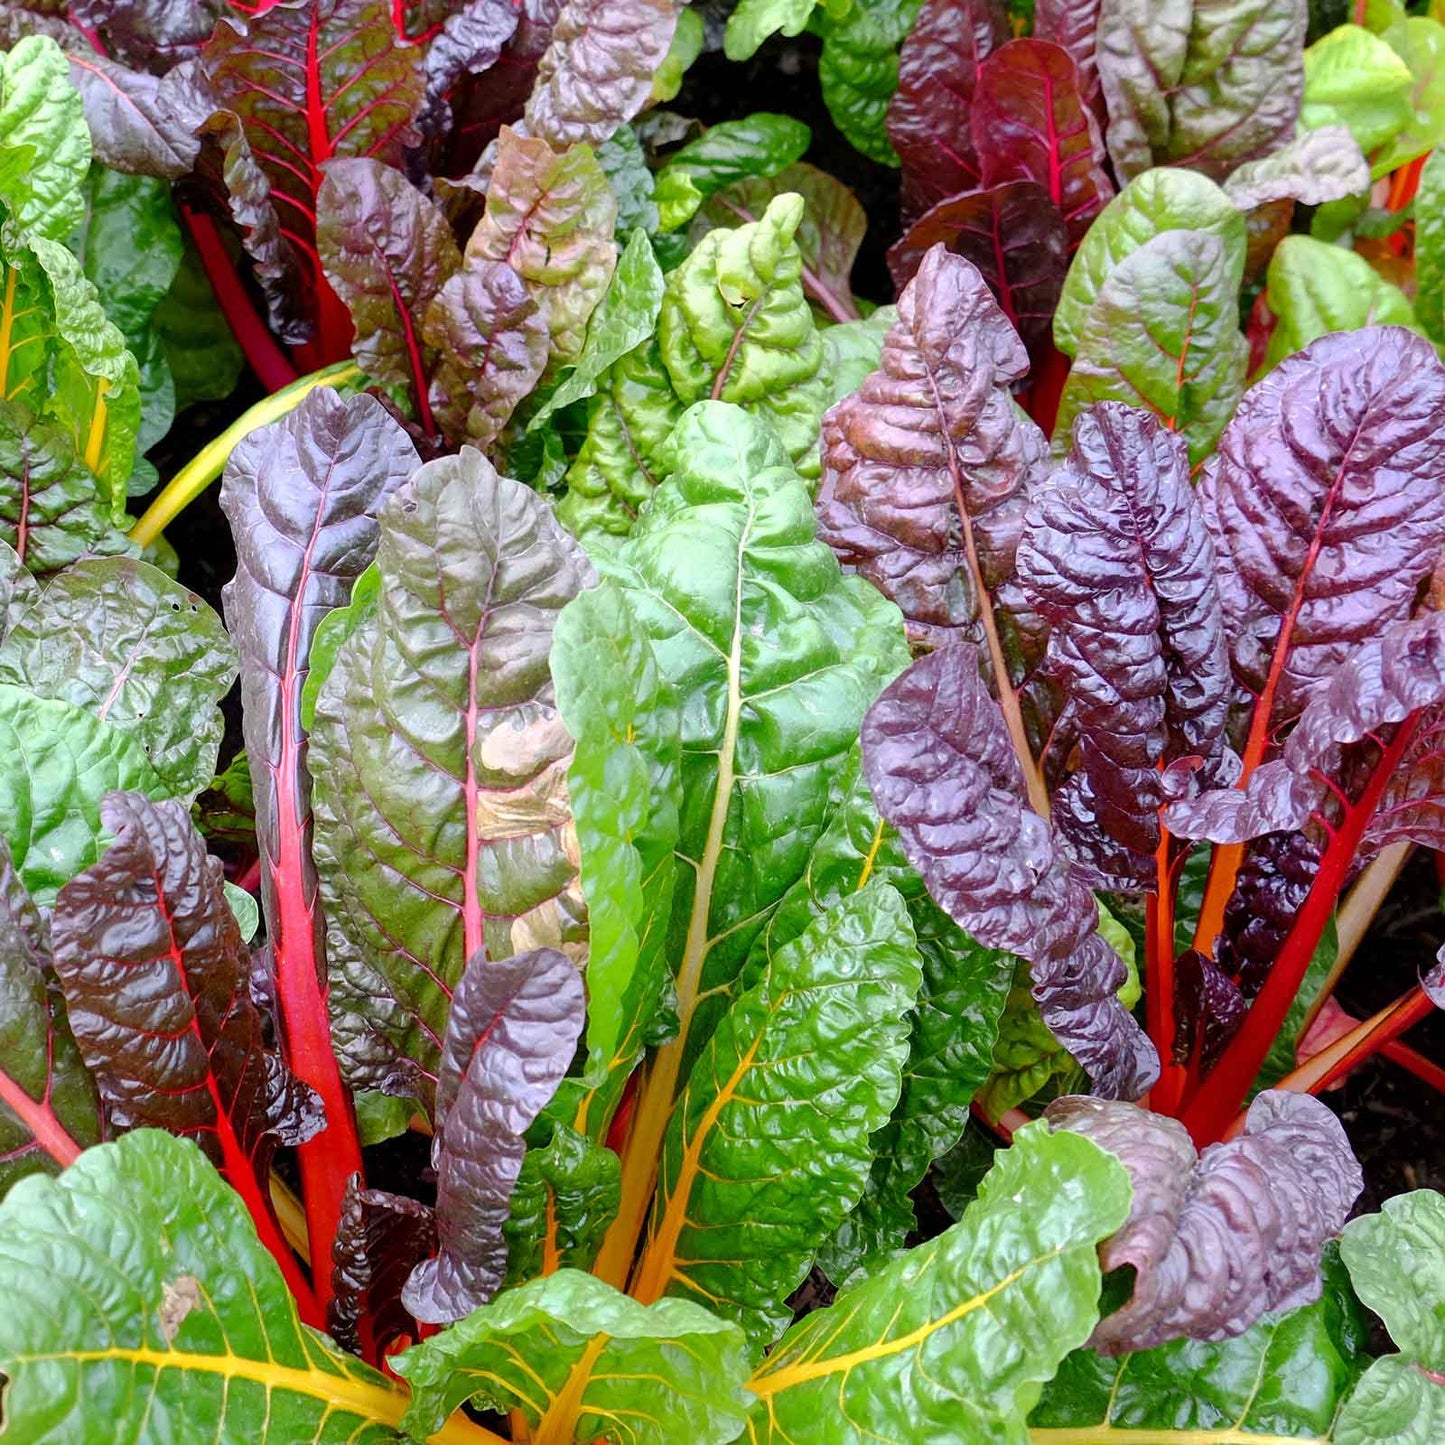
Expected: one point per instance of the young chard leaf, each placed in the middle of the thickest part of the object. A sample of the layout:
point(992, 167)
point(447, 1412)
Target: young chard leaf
point(736, 1223)
point(952, 1341)
point(566, 1195)
point(45, 140)
point(571, 1354)
point(1218, 1239)
point(49, 1110)
point(442, 824)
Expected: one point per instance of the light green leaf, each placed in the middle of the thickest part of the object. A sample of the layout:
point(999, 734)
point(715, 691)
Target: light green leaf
point(1430, 246)
point(736, 326)
point(1394, 1404)
point(140, 652)
point(753, 21)
point(1163, 333)
point(1354, 79)
point(625, 787)
point(60, 761)
point(44, 140)
point(858, 71)
point(573, 1352)
point(769, 1145)
point(1163, 199)
point(140, 1306)
point(951, 1342)
point(332, 632)
point(565, 1198)
point(687, 43)
point(758, 145)
point(380, 1117)
point(246, 909)
point(851, 350)
point(1420, 43)
point(624, 319)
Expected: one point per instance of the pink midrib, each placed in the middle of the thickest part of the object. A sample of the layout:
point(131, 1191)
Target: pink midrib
point(41, 1120)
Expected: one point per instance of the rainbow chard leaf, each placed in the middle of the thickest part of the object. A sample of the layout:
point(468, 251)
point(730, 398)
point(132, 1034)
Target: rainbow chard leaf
point(752, 1180)
point(120, 640)
point(442, 824)
point(952, 1341)
point(597, 72)
point(937, 76)
point(156, 981)
point(1030, 123)
point(1013, 234)
point(1218, 1239)
point(1317, 166)
point(132, 127)
point(938, 759)
point(759, 146)
point(41, 113)
point(571, 1354)
point(1073, 25)
point(1205, 83)
point(1394, 1263)
point(49, 1110)
point(510, 1035)
point(195, 1323)
point(1117, 559)
point(550, 217)
point(858, 70)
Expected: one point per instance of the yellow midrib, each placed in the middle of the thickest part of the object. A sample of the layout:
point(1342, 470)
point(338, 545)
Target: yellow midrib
point(95, 441)
point(371, 1402)
point(7, 328)
point(559, 1425)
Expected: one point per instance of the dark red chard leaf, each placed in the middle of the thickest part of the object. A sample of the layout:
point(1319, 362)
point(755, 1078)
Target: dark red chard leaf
point(943, 772)
point(470, 41)
point(301, 496)
point(1073, 25)
point(156, 978)
point(150, 35)
point(1327, 508)
point(512, 1031)
point(1209, 1006)
point(491, 343)
point(597, 72)
point(928, 116)
point(49, 1110)
point(1274, 880)
point(927, 469)
point(387, 251)
point(312, 80)
point(383, 1237)
point(1030, 123)
point(1117, 560)
point(1013, 234)
point(132, 126)
point(1218, 1239)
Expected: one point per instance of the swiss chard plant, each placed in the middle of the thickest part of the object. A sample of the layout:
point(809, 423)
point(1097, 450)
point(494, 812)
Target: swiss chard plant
point(820, 833)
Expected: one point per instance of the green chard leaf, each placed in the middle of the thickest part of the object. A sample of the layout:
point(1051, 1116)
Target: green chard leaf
point(769, 1145)
point(753, 21)
point(1396, 1261)
point(44, 140)
point(1354, 79)
point(201, 351)
point(858, 71)
point(1430, 247)
point(951, 1342)
point(565, 1197)
point(575, 1356)
point(1420, 42)
point(138, 1293)
point(755, 147)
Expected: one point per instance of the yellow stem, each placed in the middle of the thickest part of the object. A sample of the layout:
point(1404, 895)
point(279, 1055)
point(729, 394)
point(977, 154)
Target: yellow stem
point(207, 464)
point(291, 1216)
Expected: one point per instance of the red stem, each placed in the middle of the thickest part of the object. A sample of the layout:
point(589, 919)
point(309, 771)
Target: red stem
point(261, 350)
point(1220, 1096)
point(1416, 1063)
point(40, 1119)
point(1159, 983)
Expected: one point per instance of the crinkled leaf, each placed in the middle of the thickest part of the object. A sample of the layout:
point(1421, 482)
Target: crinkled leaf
point(572, 1352)
point(625, 789)
point(952, 1341)
point(1430, 246)
point(1354, 79)
point(631, 181)
point(44, 140)
point(1164, 331)
point(1325, 508)
point(1419, 40)
point(1117, 559)
point(194, 1324)
point(624, 319)
point(1316, 167)
point(858, 70)
point(565, 1197)
point(442, 823)
point(156, 982)
point(928, 116)
point(61, 760)
point(1394, 1404)
point(943, 772)
point(753, 21)
point(851, 350)
point(1217, 1239)
point(132, 128)
point(597, 72)
point(550, 217)
point(468, 40)
point(1396, 1261)
point(1013, 234)
point(48, 1104)
point(387, 251)
point(150, 34)
point(1204, 83)
point(1073, 25)
point(769, 1144)
point(1284, 1376)
point(1163, 199)
point(754, 148)
point(488, 331)
point(1315, 289)
point(736, 327)
point(1028, 1061)
point(1030, 123)
point(510, 1033)
point(120, 640)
